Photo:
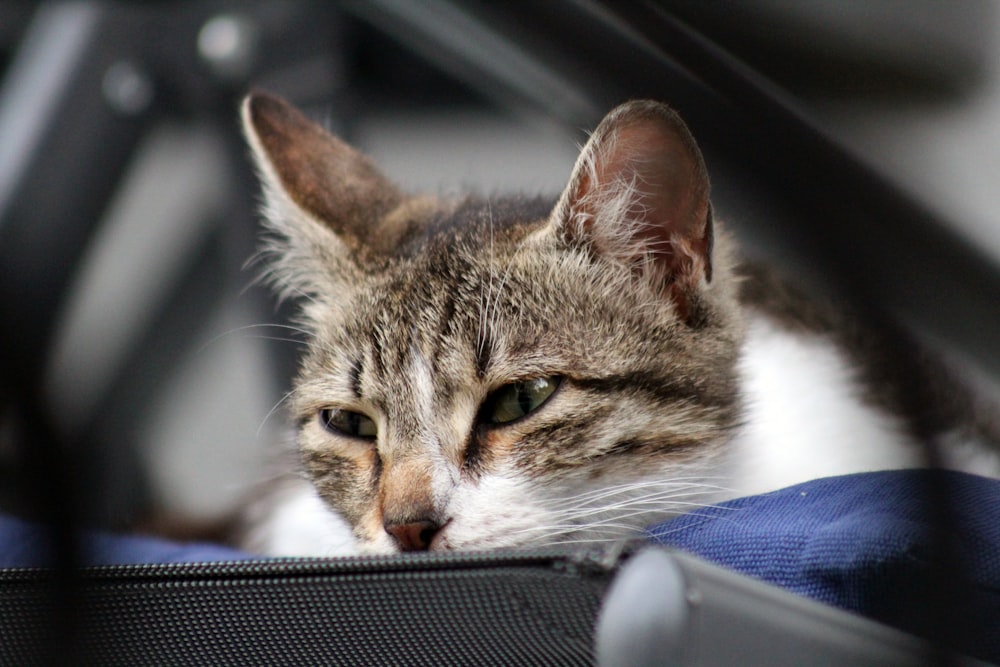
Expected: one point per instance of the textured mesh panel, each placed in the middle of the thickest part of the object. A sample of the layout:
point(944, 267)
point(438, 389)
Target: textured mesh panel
point(399, 611)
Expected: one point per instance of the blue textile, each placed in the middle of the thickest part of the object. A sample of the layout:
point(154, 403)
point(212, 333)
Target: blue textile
point(866, 543)
point(24, 544)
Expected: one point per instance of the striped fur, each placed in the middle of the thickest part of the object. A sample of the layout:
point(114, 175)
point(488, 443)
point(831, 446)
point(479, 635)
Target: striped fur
point(419, 309)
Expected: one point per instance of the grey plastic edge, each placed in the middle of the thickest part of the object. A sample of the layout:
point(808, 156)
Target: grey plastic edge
point(670, 608)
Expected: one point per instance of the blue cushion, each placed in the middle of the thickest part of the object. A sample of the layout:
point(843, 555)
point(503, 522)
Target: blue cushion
point(24, 544)
point(866, 543)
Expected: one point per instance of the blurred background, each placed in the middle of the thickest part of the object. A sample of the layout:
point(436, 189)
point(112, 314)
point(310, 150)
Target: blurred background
point(855, 141)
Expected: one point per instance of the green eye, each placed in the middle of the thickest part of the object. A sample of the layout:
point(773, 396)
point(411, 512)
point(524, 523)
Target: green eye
point(347, 422)
point(517, 399)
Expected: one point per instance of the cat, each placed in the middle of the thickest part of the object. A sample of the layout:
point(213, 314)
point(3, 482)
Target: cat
point(512, 371)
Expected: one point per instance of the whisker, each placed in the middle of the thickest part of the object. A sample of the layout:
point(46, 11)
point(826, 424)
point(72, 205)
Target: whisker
point(230, 332)
point(595, 540)
point(600, 494)
point(589, 540)
point(279, 339)
point(270, 413)
point(503, 282)
point(611, 514)
point(484, 316)
point(653, 502)
point(630, 493)
point(704, 517)
point(618, 516)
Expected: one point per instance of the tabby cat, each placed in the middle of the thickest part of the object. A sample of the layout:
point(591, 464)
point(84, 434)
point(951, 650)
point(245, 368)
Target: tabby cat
point(494, 372)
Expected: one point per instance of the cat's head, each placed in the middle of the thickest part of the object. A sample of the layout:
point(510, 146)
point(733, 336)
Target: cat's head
point(487, 372)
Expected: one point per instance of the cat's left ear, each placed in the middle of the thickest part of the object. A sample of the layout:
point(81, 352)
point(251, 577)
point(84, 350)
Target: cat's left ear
point(639, 194)
point(307, 169)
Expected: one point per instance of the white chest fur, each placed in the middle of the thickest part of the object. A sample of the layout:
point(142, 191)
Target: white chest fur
point(806, 418)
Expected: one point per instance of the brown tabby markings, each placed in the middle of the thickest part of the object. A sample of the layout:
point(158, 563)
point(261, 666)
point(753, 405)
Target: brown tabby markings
point(671, 367)
point(420, 309)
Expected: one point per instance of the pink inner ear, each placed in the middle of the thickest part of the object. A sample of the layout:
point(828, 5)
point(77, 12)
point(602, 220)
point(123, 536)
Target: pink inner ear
point(667, 212)
point(640, 195)
point(671, 198)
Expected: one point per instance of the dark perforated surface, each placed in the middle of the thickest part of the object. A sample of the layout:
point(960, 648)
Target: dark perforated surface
point(400, 611)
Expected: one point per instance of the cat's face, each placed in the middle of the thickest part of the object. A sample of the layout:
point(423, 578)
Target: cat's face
point(486, 373)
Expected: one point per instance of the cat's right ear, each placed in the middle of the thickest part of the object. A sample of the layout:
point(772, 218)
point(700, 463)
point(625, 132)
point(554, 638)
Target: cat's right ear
point(312, 178)
point(639, 196)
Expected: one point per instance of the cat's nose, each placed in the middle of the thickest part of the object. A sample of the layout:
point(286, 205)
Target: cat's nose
point(414, 535)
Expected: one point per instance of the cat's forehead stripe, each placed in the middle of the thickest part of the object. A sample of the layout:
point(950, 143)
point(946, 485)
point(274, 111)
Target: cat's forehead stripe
point(355, 378)
point(484, 352)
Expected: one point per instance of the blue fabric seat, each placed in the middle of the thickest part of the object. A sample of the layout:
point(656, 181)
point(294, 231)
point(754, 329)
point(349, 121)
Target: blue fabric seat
point(25, 544)
point(865, 543)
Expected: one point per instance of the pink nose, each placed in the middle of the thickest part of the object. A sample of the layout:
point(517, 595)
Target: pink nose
point(415, 535)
